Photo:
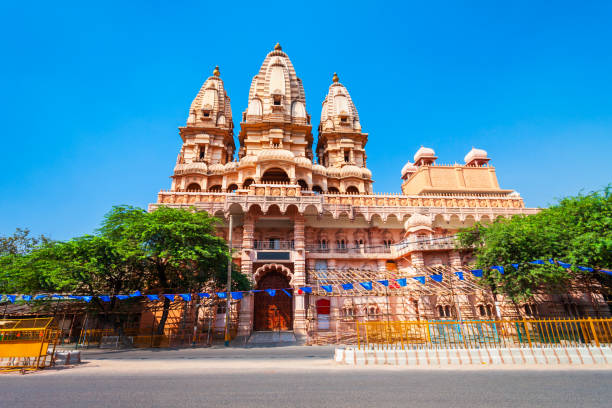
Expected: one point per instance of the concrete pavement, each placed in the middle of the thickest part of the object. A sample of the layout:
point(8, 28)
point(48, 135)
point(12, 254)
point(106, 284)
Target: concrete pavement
point(292, 377)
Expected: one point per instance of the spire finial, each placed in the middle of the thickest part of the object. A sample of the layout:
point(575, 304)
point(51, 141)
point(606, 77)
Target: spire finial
point(216, 72)
point(278, 47)
point(335, 77)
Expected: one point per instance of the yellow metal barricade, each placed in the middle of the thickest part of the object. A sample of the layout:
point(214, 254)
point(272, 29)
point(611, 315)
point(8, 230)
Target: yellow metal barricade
point(485, 333)
point(25, 343)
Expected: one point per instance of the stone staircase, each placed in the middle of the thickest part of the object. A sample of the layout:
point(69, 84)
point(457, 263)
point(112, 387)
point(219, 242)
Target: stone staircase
point(271, 339)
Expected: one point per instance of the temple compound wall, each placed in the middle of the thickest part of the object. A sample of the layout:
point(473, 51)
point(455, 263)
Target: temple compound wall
point(300, 221)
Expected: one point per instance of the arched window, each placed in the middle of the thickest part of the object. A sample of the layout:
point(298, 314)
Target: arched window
point(193, 187)
point(333, 190)
point(489, 311)
point(247, 183)
point(447, 311)
point(481, 310)
point(317, 189)
point(215, 189)
point(232, 187)
point(352, 190)
point(275, 175)
point(303, 184)
point(387, 243)
point(530, 309)
point(340, 244)
point(440, 311)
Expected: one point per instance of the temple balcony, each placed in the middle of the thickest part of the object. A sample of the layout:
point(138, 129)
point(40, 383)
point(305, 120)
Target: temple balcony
point(437, 244)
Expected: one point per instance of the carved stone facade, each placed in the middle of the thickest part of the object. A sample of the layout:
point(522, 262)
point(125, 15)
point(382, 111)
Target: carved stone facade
point(292, 214)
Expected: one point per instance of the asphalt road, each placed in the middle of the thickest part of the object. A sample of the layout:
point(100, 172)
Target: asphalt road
point(292, 377)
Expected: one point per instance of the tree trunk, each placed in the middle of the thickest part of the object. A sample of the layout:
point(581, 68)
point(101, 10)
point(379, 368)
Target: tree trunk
point(164, 317)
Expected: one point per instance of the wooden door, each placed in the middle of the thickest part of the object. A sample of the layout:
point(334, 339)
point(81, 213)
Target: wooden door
point(273, 312)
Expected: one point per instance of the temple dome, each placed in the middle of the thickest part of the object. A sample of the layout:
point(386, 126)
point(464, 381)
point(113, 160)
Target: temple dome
point(350, 171)
point(231, 166)
point(303, 162)
point(276, 88)
point(319, 169)
point(418, 222)
point(333, 172)
point(408, 168)
point(424, 152)
point(366, 173)
point(195, 167)
point(248, 161)
point(338, 111)
point(276, 154)
point(476, 154)
point(216, 168)
point(211, 106)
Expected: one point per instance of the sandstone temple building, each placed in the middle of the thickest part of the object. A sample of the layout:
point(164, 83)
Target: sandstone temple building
point(308, 215)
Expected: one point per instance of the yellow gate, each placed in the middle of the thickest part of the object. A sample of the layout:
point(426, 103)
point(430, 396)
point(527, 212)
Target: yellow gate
point(25, 343)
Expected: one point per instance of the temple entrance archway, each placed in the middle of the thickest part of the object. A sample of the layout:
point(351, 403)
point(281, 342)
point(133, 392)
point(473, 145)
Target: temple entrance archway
point(273, 312)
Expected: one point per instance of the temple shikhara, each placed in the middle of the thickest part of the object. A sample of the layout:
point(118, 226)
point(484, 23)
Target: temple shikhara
point(305, 215)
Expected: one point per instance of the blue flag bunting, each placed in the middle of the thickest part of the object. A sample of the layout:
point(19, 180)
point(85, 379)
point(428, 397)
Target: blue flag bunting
point(170, 297)
point(498, 268)
point(236, 295)
point(57, 297)
point(585, 268)
point(537, 262)
point(222, 295)
point(11, 298)
point(74, 297)
point(204, 295)
point(39, 297)
point(105, 298)
point(515, 266)
point(153, 297)
point(136, 294)
point(383, 282)
point(605, 271)
point(347, 286)
point(564, 265)
point(306, 289)
point(287, 293)
point(186, 297)
point(122, 297)
point(27, 298)
point(87, 298)
point(551, 261)
point(437, 277)
point(477, 273)
point(460, 275)
point(419, 279)
point(402, 282)
point(366, 285)
point(271, 292)
point(327, 288)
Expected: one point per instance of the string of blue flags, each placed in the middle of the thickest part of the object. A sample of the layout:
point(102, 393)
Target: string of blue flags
point(369, 285)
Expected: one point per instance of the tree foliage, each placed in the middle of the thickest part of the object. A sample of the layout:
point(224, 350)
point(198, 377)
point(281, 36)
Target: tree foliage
point(165, 251)
point(577, 230)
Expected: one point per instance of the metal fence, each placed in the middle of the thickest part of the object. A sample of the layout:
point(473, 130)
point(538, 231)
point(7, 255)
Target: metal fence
point(484, 333)
point(27, 344)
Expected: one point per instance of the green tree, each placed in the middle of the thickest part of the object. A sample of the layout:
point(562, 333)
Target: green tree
point(577, 230)
point(21, 242)
point(177, 249)
point(165, 251)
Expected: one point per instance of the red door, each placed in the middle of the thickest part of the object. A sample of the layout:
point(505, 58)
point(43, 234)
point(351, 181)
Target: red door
point(273, 312)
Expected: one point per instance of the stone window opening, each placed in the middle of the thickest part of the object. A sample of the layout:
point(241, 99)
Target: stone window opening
point(372, 312)
point(340, 244)
point(572, 309)
point(193, 187)
point(387, 243)
point(215, 188)
point(445, 311)
point(322, 244)
point(202, 154)
point(347, 156)
point(317, 189)
point(530, 310)
point(333, 190)
point(277, 100)
point(247, 183)
point(485, 310)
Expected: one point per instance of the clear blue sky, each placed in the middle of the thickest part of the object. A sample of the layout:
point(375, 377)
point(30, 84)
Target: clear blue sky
point(92, 95)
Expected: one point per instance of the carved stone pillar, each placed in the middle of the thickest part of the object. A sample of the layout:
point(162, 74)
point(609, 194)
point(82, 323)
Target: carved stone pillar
point(248, 230)
point(455, 259)
point(418, 259)
point(299, 276)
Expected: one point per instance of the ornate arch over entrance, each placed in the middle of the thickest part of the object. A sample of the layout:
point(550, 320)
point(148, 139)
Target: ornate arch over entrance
point(273, 312)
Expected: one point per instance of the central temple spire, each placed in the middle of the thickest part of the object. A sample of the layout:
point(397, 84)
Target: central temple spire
point(276, 115)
